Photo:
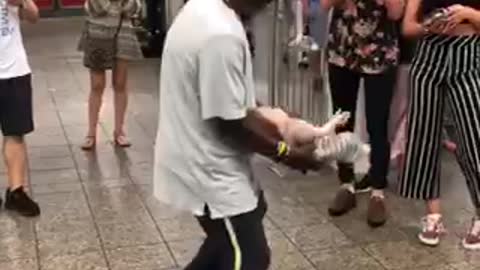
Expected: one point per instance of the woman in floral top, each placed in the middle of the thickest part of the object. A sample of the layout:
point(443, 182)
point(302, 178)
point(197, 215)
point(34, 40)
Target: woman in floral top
point(363, 44)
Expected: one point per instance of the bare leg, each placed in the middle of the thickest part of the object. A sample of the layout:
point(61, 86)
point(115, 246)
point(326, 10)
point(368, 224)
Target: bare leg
point(432, 225)
point(97, 87)
point(119, 77)
point(14, 152)
point(450, 145)
point(433, 207)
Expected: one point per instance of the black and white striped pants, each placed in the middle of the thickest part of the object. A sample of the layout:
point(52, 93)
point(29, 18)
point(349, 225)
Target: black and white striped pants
point(445, 69)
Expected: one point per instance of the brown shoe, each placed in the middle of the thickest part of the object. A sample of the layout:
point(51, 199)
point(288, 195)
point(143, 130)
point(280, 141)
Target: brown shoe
point(344, 201)
point(377, 212)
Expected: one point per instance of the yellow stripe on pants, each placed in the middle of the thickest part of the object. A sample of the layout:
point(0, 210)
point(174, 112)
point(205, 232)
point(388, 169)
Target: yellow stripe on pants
point(237, 252)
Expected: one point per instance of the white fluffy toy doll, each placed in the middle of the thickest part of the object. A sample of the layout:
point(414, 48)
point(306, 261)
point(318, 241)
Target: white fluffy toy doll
point(344, 147)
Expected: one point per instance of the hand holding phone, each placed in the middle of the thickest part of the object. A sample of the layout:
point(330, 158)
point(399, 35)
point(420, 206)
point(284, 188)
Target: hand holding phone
point(437, 16)
point(436, 21)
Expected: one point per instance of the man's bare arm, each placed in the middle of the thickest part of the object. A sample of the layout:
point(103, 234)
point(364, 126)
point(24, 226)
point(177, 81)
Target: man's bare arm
point(28, 10)
point(475, 19)
point(395, 9)
point(253, 132)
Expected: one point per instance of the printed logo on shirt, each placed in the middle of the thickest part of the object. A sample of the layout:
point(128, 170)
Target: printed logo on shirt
point(6, 29)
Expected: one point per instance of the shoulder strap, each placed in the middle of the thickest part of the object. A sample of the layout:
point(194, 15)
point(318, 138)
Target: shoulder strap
point(120, 21)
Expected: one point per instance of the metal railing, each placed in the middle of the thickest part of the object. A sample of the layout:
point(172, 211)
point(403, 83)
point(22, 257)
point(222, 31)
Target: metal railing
point(297, 80)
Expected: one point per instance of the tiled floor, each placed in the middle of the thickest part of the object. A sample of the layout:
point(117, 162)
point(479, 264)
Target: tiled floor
point(98, 212)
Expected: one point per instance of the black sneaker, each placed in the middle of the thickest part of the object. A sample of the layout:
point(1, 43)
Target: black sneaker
point(363, 185)
point(19, 201)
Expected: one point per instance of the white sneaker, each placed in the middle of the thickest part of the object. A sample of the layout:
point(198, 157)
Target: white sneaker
point(472, 240)
point(432, 230)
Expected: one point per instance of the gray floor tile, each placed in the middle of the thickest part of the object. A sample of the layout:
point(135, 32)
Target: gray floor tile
point(314, 237)
point(40, 152)
point(437, 267)
point(28, 264)
point(293, 216)
point(93, 166)
point(142, 173)
point(53, 163)
point(48, 177)
point(57, 188)
point(16, 247)
point(184, 250)
point(463, 266)
point(279, 243)
point(68, 240)
point(17, 238)
point(123, 196)
point(13, 225)
point(47, 136)
point(128, 211)
point(140, 258)
point(357, 229)
point(46, 118)
point(180, 228)
point(55, 207)
point(452, 251)
point(92, 184)
point(343, 258)
point(129, 234)
point(85, 261)
point(160, 211)
point(290, 261)
point(403, 255)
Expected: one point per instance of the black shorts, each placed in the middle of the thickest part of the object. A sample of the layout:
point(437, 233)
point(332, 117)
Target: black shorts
point(16, 108)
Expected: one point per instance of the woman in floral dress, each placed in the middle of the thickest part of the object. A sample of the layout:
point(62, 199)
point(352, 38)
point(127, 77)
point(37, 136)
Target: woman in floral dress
point(364, 44)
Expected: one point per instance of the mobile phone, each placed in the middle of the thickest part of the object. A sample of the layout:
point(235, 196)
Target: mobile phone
point(438, 15)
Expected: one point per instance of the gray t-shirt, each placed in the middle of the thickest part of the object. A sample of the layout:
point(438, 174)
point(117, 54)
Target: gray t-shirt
point(206, 73)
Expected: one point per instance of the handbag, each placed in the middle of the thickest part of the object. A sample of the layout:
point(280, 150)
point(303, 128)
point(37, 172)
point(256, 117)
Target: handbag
point(100, 52)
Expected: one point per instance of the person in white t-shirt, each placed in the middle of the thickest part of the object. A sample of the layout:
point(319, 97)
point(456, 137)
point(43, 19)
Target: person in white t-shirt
point(16, 109)
point(209, 128)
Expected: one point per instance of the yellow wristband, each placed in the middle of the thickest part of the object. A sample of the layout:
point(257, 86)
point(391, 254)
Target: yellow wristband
point(282, 149)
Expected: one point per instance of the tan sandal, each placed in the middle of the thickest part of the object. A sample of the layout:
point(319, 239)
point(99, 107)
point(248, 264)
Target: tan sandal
point(121, 140)
point(89, 143)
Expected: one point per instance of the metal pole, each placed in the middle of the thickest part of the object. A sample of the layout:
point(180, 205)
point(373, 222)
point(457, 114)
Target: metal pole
point(274, 57)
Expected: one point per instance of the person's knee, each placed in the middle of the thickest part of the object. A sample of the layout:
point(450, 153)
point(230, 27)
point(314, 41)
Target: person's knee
point(120, 74)
point(98, 87)
point(119, 86)
point(97, 81)
point(119, 83)
point(14, 139)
